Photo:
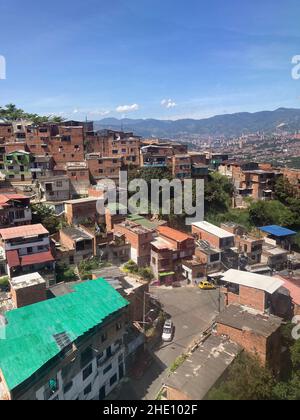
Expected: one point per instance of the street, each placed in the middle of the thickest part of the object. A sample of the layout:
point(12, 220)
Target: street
point(192, 311)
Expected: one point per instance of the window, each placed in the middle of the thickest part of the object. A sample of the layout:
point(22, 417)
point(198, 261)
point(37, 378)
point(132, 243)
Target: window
point(88, 389)
point(107, 369)
point(113, 380)
point(40, 248)
point(86, 356)
point(99, 357)
point(30, 250)
point(87, 372)
point(59, 184)
point(68, 387)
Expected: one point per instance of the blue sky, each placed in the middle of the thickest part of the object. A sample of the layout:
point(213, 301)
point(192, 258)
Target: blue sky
point(149, 58)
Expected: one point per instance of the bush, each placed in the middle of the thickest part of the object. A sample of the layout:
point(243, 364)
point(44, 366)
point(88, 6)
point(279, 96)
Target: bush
point(146, 273)
point(65, 274)
point(4, 281)
point(131, 267)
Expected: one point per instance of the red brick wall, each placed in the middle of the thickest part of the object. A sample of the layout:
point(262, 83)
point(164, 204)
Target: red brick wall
point(251, 342)
point(29, 295)
point(78, 212)
point(253, 298)
point(205, 236)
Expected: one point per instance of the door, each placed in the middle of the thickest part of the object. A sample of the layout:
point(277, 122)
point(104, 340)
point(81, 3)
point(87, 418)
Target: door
point(121, 371)
point(102, 393)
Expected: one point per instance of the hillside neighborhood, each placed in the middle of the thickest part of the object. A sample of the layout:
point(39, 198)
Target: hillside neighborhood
point(85, 297)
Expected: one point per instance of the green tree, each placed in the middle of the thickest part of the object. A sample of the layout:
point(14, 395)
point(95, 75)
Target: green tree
point(46, 216)
point(10, 113)
point(263, 213)
point(65, 273)
point(247, 380)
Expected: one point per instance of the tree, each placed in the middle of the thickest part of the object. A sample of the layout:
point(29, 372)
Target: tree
point(46, 216)
point(263, 213)
point(247, 380)
point(218, 194)
point(284, 190)
point(11, 113)
point(65, 273)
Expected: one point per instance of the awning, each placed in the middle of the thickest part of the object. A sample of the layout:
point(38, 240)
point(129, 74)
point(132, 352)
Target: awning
point(13, 259)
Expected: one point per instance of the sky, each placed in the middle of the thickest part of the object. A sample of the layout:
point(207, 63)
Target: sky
point(165, 59)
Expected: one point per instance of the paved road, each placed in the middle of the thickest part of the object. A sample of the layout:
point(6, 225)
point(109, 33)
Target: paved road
point(192, 311)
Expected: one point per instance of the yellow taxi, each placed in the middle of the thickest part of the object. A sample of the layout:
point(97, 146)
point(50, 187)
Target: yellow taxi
point(206, 285)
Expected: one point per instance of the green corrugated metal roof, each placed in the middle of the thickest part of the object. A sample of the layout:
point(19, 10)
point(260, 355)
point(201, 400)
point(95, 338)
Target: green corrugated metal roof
point(28, 337)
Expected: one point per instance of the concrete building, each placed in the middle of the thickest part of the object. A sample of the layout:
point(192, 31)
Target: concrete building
point(258, 334)
point(55, 188)
point(72, 346)
point(27, 250)
point(210, 257)
point(17, 166)
point(14, 210)
point(216, 237)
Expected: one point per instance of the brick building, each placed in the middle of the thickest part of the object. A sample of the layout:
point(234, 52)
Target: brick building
point(79, 242)
point(140, 239)
point(216, 237)
point(80, 210)
point(28, 290)
point(252, 290)
point(168, 251)
point(104, 167)
point(258, 334)
point(14, 210)
point(182, 166)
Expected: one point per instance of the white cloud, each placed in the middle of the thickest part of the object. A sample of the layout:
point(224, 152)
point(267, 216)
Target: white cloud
point(92, 112)
point(168, 103)
point(127, 108)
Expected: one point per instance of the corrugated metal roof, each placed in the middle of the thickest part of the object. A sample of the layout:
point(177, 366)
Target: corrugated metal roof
point(39, 258)
point(255, 281)
point(23, 231)
point(29, 343)
point(278, 231)
point(212, 229)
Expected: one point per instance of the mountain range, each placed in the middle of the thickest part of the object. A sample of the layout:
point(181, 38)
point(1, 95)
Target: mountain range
point(227, 125)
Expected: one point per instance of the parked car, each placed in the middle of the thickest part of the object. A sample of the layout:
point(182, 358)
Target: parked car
point(168, 330)
point(206, 285)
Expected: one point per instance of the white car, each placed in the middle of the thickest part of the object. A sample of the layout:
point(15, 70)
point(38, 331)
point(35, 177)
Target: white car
point(168, 331)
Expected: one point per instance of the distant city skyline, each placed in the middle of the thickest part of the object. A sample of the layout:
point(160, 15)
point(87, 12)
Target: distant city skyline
point(139, 59)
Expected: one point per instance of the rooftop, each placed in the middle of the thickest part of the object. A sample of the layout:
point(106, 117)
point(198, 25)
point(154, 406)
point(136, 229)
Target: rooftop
point(149, 224)
point(278, 231)
point(213, 230)
point(82, 200)
point(256, 281)
point(202, 370)
point(173, 234)
point(27, 280)
point(25, 231)
point(77, 234)
point(29, 334)
point(244, 319)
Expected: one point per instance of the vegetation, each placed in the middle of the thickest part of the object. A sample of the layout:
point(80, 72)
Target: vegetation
point(11, 113)
point(145, 272)
point(248, 380)
point(4, 281)
point(65, 273)
point(86, 267)
point(46, 216)
point(178, 362)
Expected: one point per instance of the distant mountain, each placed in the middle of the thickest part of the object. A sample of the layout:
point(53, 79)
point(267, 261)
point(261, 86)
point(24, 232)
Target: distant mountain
point(227, 125)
